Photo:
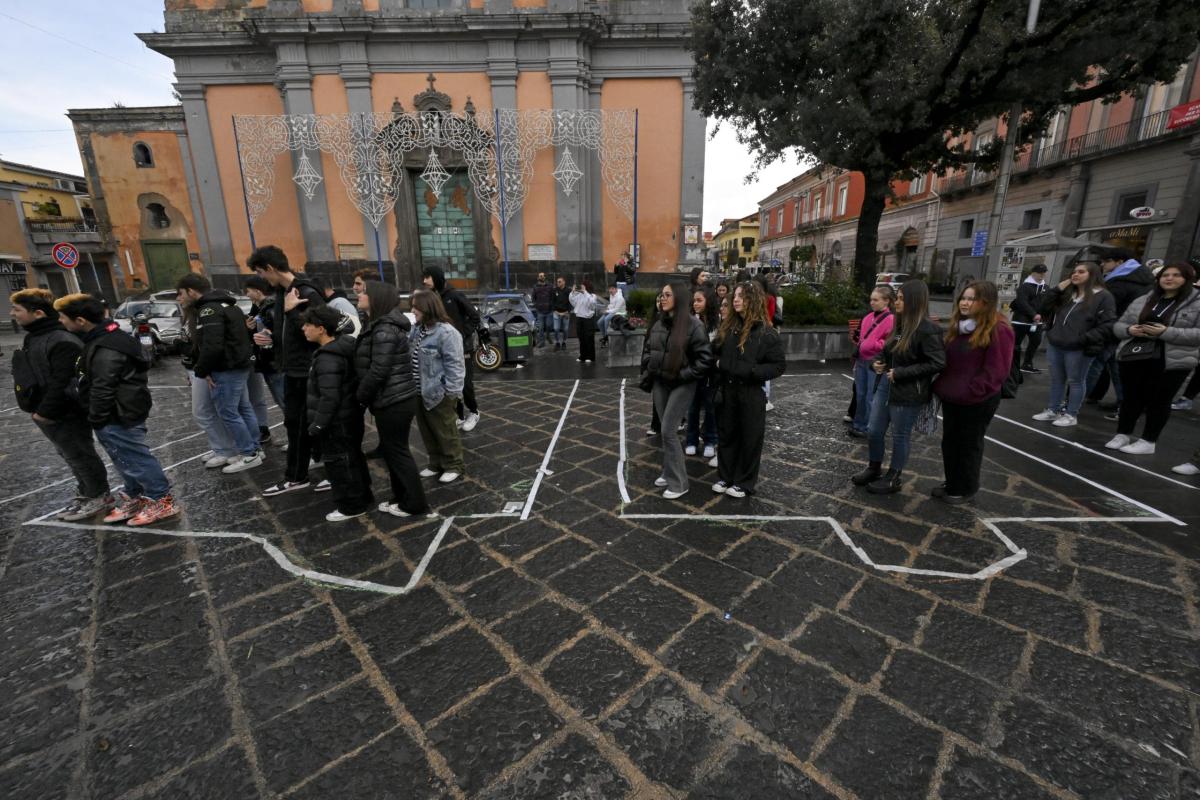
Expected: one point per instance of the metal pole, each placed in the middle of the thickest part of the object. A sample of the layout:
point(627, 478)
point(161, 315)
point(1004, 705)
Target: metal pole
point(379, 257)
point(503, 215)
point(638, 260)
point(242, 173)
point(95, 274)
point(995, 247)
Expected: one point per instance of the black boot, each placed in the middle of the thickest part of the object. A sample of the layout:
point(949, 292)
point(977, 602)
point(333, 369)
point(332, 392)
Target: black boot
point(888, 484)
point(869, 474)
point(264, 434)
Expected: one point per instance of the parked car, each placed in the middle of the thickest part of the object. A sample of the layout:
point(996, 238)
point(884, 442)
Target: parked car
point(163, 315)
point(893, 279)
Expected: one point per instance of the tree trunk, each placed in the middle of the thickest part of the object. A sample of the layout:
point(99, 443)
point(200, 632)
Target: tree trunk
point(866, 239)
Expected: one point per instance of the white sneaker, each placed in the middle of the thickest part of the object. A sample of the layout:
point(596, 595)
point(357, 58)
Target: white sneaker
point(651, 432)
point(690, 450)
point(1139, 448)
point(387, 508)
point(215, 461)
point(448, 477)
point(720, 487)
point(712, 462)
point(670, 495)
point(323, 486)
point(770, 406)
point(428, 473)
point(1182, 404)
point(1186, 468)
point(710, 451)
point(1118, 441)
point(243, 463)
point(337, 516)
point(660, 481)
point(1048, 415)
point(735, 491)
point(458, 423)
point(314, 464)
point(471, 421)
point(1065, 421)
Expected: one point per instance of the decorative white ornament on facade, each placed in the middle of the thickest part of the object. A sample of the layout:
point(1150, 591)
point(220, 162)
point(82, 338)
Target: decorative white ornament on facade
point(434, 174)
point(306, 177)
point(567, 173)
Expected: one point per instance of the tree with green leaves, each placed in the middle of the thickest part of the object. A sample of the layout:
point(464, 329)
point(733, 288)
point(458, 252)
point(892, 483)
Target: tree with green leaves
point(888, 87)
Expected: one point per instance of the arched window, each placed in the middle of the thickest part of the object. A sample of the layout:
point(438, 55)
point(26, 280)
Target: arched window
point(158, 215)
point(142, 155)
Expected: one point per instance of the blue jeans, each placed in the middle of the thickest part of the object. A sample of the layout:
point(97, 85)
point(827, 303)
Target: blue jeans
point(543, 324)
point(126, 446)
point(702, 401)
point(562, 322)
point(1106, 361)
point(899, 419)
point(259, 385)
point(232, 401)
point(604, 320)
point(864, 392)
point(1068, 371)
point(204, 411)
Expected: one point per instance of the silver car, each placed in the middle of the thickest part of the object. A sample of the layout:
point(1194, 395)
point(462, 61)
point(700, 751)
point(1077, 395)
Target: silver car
point(164, 316)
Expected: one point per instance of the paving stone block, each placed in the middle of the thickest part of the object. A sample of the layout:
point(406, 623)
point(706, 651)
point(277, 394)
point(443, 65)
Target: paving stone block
point(537, 630)
point(556, 557)
point(273, 691)
point(879, 752)
point(392, 768)
point(143, 676)
point(709, 650)
point(281, 640)
point(574, 770)
point(36, 721)
point(970, 777)
point(226, 775)
point(1049, 615)
point(402, 622)
point(236, 620)
point(774, 611)
point(588, 580)
point(787, 701)
point(846, 646)
point(751, 773)
point(497, 594)
point(435, 677)
point(944, 694)
point(645, 612)
point(593, 673)
point(710, 580)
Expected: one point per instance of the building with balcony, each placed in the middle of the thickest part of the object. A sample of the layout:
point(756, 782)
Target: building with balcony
point(736, 242)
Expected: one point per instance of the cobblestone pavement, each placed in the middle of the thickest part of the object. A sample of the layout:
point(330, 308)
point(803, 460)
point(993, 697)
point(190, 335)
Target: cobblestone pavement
point(588, 652)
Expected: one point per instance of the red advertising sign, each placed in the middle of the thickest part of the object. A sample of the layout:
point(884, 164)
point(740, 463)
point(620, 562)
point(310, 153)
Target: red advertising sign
point(1183, 115)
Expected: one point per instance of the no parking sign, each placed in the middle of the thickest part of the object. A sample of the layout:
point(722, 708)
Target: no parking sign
point(66, 255)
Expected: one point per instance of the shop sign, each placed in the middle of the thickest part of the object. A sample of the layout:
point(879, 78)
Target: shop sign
point(1183, 115)
point(1142, 212)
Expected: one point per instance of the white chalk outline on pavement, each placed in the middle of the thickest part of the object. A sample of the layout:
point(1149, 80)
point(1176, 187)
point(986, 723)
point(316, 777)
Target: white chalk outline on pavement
point(621, 459)
point(542, 471)
point(1100, 453)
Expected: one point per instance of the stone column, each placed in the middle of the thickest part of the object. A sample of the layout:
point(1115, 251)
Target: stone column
point(1076, 196)
point(502, 70)
point(295, 80)
point(1185, 231)
point(567, 87)
point(691, 200)
point(595, 189)
point(356, 77)
point(208, 180)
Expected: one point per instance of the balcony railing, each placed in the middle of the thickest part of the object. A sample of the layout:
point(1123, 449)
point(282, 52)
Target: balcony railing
point(1089, 144)
point(64, 226)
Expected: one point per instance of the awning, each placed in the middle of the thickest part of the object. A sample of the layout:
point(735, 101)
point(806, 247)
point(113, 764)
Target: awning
point(1050, 237)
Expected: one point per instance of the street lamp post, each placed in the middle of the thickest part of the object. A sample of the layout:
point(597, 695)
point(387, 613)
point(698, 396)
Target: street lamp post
point(995, 247)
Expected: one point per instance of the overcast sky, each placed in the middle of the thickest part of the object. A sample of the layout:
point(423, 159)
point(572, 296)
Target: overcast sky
point(83, 54)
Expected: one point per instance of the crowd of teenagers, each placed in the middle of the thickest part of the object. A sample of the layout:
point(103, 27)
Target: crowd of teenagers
point(710, 354)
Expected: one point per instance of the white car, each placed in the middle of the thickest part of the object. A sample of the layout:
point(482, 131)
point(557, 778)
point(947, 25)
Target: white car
point(893, 279)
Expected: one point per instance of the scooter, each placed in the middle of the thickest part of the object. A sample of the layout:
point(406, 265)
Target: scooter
point(487, 355)
point(147, 337)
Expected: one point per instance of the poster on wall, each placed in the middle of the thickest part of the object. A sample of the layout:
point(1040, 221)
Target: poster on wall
point(691, 234)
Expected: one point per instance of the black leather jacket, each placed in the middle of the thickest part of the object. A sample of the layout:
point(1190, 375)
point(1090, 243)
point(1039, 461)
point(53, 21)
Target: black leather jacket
point(222, 341)
point(697, 357)
point(915, 369)
point(331, 387)
point(111, 380)
point(761, 360)
point(383, 362)
point(294, 353)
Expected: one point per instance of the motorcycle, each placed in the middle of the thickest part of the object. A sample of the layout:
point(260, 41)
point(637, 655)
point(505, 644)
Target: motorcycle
point(147, 337)
point(487, 355)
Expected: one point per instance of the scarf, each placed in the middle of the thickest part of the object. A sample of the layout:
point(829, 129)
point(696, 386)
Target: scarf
point(966, 326)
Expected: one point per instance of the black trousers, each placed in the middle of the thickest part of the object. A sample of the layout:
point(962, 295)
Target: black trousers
point(1149, 389)
point(963, 429)
point(346, 467)
point(394, 423)
point(741, 429)
point(295, 422)
point(468, 405)
point(1023, 332)
point(72, 438)
point(585, 328)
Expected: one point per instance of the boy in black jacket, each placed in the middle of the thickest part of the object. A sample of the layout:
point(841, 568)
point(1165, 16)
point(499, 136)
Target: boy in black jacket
point(42, 371)
point(294, 294)
point(110, 380)
point(466, 319)
point(335, 418)
point(1027, 317)
point(221, 351)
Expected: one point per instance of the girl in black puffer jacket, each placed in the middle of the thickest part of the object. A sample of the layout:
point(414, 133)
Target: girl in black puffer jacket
point(388, 386)
point(911, 359)
point(335, 419)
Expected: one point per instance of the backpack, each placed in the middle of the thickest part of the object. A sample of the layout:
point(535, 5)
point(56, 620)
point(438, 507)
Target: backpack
point(31, 369)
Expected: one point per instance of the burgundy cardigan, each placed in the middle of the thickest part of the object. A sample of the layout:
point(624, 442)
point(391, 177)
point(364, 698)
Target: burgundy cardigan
point(973, 374)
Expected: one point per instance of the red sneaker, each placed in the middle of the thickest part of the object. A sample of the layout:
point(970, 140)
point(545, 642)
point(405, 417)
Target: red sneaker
point(156, 511)
point(127, 508)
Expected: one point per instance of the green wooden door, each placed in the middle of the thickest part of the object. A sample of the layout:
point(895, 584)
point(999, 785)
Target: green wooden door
point(166, 263)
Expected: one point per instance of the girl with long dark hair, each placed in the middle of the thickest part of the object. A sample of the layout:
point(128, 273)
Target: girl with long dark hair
point(1080, 312)
point(1158, 339)
point(704, 307)
point(869, 339)
point(437, 360)
point(388, 386)
point(750, 354)
point(979, 350)
point(911, 358)
point(677, 353)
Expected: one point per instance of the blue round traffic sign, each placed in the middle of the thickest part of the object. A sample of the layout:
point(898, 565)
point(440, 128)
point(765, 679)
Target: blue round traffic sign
point(66, 255)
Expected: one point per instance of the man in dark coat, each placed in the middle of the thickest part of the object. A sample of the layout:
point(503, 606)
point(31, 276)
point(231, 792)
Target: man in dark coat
point(42, 372)
point(1027, 318)
point(466, 319)
point(543, 298)
point(1126, 279)
point(111, 384)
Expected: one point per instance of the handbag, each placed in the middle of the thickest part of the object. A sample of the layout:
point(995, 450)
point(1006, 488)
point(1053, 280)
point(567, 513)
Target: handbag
point(1141, 348)
point(926, 422)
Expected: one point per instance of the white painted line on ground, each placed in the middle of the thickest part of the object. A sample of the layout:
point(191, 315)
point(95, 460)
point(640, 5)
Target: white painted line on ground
point(1100, 453)
point(621, 460)
point(185, 386)
point(542, 471)
point(10, 408)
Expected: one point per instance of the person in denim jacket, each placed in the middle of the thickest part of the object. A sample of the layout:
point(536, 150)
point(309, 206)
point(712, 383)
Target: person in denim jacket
point(437, 353)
